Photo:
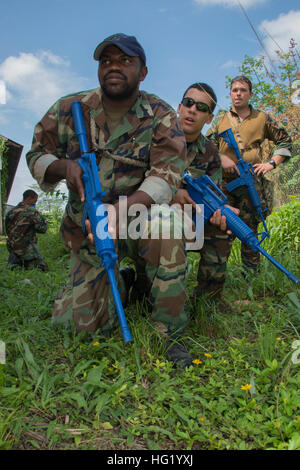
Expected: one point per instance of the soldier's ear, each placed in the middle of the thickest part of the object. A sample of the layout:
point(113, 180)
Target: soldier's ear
point(209, 119)
point(143, 73)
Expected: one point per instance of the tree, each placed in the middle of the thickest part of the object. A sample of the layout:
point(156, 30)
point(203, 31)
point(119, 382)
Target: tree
point(51, 203)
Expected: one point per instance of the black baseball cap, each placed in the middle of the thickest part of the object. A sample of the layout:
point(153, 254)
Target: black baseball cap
point(127, 44)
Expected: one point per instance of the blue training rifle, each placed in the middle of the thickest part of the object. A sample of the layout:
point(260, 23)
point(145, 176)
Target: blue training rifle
point(247, 176)
point(96, 212)
point(203, 191)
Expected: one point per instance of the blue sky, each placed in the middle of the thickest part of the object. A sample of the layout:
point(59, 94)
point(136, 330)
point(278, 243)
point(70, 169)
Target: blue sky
point(46, 50)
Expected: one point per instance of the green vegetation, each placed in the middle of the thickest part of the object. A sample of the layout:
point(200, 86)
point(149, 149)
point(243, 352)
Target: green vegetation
point(78, 392)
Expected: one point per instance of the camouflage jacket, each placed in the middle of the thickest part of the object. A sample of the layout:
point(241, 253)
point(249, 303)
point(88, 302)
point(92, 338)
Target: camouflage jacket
point(203, 158)
point(21, 224)
point(146, 151)
point(250, 133)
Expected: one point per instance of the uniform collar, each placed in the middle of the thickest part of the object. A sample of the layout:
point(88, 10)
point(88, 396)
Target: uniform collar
point(140, 109)
point(198, 145)
point(235, 114)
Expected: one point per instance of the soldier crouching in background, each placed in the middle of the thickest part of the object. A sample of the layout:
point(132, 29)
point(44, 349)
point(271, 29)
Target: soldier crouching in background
point(21, 224)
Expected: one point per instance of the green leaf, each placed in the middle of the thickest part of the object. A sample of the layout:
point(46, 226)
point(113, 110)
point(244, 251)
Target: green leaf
point(81, 402)
point(181, 413)
point(294, 442)
point(107, 426)
point(94, 376)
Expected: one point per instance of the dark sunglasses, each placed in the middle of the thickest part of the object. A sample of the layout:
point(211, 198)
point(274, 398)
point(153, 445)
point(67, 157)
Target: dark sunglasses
point(189, 102)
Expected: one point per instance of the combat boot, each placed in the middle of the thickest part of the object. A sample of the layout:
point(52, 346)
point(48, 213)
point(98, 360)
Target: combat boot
point(178, 355)
point(14, 261)
point(128, 276)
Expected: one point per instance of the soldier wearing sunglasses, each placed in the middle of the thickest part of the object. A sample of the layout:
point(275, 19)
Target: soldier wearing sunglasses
point(195, 110)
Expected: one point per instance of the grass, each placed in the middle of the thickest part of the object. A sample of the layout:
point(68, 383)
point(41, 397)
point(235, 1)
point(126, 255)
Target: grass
point(73, 392)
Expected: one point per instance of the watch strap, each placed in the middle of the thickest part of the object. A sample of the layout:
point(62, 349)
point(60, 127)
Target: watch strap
point(273, 163)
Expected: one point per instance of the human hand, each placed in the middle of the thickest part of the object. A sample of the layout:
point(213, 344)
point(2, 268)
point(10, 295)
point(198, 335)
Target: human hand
point(74, 178)
point(262, 168)
point(219, 220)
point(229, 166)
point(111, 227)
point(182, 197)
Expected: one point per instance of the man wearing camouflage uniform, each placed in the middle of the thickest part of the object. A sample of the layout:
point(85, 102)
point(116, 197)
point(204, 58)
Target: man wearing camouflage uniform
point(250, 128)
point(21, 224)
point(203, 158)
point(142, 154)
point(196, 110)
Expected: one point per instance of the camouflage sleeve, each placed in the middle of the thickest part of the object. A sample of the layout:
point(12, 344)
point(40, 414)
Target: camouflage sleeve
point(213, 131)
point(40, 223)
point(167, 157)
point(45, 147)
point(277, 134)
point(215, 173)
point(157, 188)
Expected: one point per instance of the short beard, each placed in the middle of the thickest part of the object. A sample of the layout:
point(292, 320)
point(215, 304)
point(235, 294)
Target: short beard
point(122, 95)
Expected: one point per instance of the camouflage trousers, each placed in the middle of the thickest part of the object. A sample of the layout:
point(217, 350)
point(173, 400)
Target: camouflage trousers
point(213, 259)
point(28, 258)
point(240, 199)
point(86, 300)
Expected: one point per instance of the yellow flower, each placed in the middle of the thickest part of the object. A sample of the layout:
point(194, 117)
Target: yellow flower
point(278, 339)
point(277, 424)
point(207, 355)
point(196, 361)
point(96, 343)
point(202, 418)
point(246, 387)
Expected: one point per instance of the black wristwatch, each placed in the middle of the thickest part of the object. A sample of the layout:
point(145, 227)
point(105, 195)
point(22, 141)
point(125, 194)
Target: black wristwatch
point(273, 163)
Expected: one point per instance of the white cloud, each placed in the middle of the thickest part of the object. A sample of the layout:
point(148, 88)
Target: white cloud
point(280, 31)
point(228, 64)
point(230, 3)
point(35, 81)
point(2, 92)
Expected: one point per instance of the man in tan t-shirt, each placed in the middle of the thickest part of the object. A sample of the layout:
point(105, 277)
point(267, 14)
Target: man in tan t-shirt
point(250, 128)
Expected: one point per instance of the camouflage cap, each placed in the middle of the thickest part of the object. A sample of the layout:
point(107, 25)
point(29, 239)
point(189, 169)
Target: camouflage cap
point(127, 44)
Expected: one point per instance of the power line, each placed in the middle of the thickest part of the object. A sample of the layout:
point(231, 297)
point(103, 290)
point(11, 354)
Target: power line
point(254, 30)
